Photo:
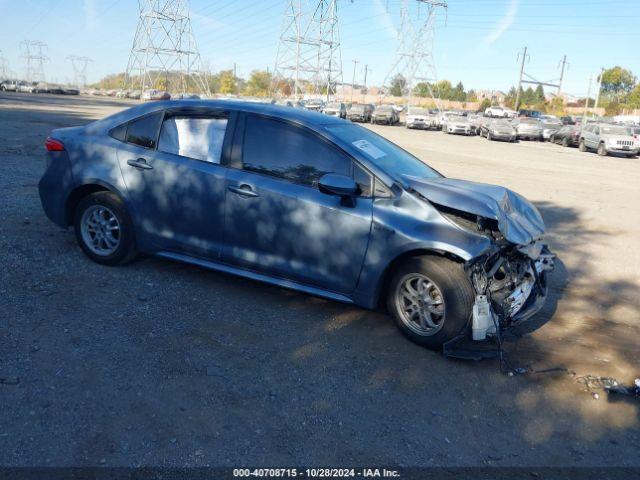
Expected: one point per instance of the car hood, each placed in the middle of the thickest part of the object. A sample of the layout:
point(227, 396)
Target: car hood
point(518, 220)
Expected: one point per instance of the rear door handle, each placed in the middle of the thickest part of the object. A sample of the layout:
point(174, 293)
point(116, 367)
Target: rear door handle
point(140, 164)
point(243, 190)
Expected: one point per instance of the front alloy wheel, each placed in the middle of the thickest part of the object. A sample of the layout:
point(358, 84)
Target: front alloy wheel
point(581, 146)
point(602, 151)
point(430, 299)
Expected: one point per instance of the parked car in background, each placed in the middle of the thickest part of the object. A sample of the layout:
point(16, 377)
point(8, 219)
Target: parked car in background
point(456, 124)
point(122, 94)
point(185, 96)
point(134, 94)
point(606, 138)
point(385, 114)
point(529, 129)
point(476, 121)
point(499, 129)
point(336, 109)
point(41, 87)
point(9, 86)
point(418, 117)
point(568, 120)
point(567, 136)
point(26, 87)
point(634, 131)
point(495, 112)
point(529, 113)
point(360, 112)
point(71, 91)
point(351, 216)
point(314, 104)
point(549, 127)
point(155, 95)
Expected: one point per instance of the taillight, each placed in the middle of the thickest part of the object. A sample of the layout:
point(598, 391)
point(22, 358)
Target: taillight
point(53, 145)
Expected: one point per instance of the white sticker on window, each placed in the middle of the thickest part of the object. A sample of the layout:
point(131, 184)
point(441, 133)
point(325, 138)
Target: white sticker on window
point(368, 148)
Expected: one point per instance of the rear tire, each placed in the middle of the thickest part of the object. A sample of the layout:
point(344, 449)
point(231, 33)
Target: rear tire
point(565, 142)
point(107, 209)
point(451, 287)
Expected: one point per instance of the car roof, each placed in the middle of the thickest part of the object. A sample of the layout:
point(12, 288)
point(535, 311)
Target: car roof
point(298, 115)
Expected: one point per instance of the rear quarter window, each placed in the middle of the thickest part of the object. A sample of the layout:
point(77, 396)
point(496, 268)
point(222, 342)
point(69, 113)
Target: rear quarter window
point(144, 130)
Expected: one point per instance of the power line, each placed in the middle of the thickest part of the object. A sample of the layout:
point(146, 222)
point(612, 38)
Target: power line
point(35, 58)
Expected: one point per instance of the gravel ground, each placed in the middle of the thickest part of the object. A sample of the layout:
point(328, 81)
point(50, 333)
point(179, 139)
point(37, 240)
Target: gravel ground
point(164, 364)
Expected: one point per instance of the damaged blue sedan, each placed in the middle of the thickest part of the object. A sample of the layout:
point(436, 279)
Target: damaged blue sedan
point(305, 201)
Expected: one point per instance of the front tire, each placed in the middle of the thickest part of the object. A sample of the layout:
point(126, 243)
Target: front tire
point(602, 151)
point(104, 229)
point(431, 300)
point(581, 146)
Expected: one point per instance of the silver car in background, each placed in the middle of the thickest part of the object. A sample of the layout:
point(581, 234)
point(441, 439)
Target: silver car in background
point(499, 129)
point(549, 128)
point(529, 129)
point(456, 124)
point(418, 117)
point(606, 139)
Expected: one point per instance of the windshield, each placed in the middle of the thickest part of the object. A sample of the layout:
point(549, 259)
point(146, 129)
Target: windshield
point(418, 111)
point(500, 124)
point(388, 156)
point(384, 108)
point(613, 130)
point(552, 124)
point(530, 121)
point(334, 105)
point(357, 108)
point(634, 130)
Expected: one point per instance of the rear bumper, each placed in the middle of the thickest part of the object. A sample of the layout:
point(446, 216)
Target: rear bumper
point(54, 187)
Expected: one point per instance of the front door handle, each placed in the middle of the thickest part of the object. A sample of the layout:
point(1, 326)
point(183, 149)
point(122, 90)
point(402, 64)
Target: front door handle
point(243, 190)
point(140, 164)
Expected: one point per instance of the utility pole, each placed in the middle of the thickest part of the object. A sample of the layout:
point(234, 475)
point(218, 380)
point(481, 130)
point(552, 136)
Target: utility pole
point(353, 79)
point(364, 90)
point(524, 57)
point(586, 103)
point(599, 87)
point(564, 63)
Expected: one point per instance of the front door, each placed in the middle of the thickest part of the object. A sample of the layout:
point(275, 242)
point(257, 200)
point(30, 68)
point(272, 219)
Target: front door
point(176, 183)
point(278, 222)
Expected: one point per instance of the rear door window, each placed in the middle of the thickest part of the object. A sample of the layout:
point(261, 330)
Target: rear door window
point(144, 130)
point(281, 150)
point(200, 138)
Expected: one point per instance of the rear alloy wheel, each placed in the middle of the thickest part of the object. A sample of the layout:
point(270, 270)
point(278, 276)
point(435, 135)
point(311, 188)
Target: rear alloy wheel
point(104, 229)
point(602, 151)
point(565, 142)
point(581, 146)
point(431, 299)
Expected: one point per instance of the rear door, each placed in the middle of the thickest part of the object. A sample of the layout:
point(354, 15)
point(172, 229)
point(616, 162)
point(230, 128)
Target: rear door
point(278, 222)
point(171, 164)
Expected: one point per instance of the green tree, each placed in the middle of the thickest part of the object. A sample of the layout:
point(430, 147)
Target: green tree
point(458, 93)
point(617, 82)
point(471, 96)
point(227, 82)
point(259, 83)
point(539, 94)
point(634, 97)
point(486, 103)
point(422, 89)
point(398, 86)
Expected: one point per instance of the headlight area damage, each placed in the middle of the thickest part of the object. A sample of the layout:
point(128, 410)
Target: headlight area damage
point(510, 279)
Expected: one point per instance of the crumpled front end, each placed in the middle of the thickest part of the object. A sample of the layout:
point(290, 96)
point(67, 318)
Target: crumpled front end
point(510, 279)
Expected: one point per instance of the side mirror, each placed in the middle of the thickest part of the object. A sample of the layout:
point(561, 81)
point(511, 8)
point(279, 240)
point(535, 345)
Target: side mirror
point(340, 185)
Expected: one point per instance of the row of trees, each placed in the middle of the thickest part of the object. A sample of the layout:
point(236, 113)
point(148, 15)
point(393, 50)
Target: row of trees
point(443, 89)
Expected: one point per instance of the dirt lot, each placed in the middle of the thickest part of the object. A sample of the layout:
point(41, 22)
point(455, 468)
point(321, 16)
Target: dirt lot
point(164, 364)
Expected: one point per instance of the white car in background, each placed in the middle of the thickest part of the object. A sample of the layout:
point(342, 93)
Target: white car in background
point(418, 117)
point(495, 112)
point(457, 124)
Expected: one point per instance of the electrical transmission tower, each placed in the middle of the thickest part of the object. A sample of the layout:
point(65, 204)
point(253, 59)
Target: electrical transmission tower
point(308, 58)
point(4, 70)
point(79, 65)
point(526, 78)
point(414, 62)
point(35, 57)
point(164, 54)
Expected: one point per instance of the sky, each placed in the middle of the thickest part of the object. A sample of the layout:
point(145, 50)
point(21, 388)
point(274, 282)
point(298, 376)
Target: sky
point(476, 42)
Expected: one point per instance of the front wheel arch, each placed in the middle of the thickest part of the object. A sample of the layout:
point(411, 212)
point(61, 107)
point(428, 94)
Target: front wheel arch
point(395, 263)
